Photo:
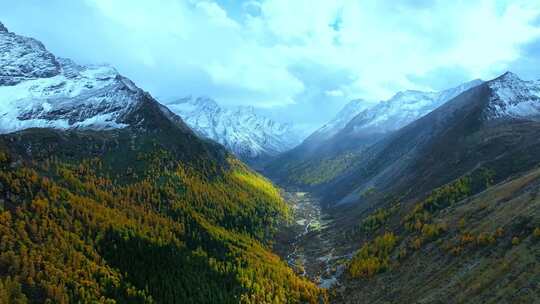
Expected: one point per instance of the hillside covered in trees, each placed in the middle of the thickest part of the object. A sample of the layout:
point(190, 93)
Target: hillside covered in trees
point(114, 217)
point(460, 244)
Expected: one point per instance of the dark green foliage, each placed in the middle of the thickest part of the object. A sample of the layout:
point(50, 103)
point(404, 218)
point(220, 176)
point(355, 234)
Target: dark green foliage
point(179, 275)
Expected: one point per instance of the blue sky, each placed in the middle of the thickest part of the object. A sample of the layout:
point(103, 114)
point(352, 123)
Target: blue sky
point(298, 60)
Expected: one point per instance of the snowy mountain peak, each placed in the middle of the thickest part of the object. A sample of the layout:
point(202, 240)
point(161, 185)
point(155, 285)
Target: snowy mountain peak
point(403, 95)
point(346, 114)
point(455, 91)
point(23, 58)
point(39, 90)
point(508, 77)
point(403, 108)
point(240, 129)
point(205, 102)
point(355, 105)
point(190, 104)
point(513, 97)
point(246, 110)
point(3, 28)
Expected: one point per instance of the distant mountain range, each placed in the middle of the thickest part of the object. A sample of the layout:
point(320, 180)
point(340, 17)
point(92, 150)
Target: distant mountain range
point(336, 160)
point(444, 200)
point(400, 110)
point(340, 120)
point(488, 124)
point(357, 126)
point(41, 90)
point(249, 135)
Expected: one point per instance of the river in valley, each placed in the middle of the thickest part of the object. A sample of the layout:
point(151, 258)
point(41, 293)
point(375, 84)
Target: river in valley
point(306, 244)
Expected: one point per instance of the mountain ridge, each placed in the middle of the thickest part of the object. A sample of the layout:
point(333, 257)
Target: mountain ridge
point(337, 153)
point(248, 135)
point(452, 196)
point(40, 90)
point(340, 120)
point(445, 129)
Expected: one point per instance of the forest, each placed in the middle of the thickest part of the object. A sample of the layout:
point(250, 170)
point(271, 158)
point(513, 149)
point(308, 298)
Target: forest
point(83, 229)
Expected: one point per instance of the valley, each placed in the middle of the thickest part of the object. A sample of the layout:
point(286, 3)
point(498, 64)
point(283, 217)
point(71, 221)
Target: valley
point(472, 248)
point(306, 243)
point(109, 196)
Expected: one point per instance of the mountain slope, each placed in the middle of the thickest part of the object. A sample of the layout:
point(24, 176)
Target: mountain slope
point(342, 118)
point(445, 210)
point(39, 90)
point(319, 159)
point(471, 248)
point(118, 201)
point(248, 135)
point(397, 112)
point(479, 128)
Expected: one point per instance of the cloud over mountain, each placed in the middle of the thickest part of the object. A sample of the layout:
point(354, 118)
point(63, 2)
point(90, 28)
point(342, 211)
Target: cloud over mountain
point(296, 55)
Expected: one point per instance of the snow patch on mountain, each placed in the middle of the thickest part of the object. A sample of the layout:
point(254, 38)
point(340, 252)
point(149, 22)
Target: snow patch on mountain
point(349, 111)
point(404, 108)
point(24, 58)
point(240, 129)
point(39, 90)
point(513, 97)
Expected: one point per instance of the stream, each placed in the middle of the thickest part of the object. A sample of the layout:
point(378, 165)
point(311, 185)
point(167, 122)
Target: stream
point(306, 244)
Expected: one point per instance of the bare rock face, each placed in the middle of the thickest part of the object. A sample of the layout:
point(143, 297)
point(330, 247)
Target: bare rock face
point(39, 90)
point(513, 97)
point(23, 58)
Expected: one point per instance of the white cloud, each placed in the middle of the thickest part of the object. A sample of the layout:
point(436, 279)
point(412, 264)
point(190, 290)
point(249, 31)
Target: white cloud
point(260, 52)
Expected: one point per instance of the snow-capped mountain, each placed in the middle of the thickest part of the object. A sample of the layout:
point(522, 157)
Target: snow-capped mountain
point(513, 97)
point(491, 124)
point(244, 132)
point(39, 90)
point(349, 111)
point(402, 109)
point(345, 135)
